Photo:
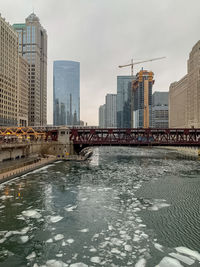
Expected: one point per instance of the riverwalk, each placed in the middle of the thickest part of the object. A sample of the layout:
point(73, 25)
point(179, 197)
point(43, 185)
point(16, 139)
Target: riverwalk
point(5, 176)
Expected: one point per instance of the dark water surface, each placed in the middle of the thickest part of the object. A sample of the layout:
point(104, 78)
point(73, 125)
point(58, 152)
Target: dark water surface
point(124, 207)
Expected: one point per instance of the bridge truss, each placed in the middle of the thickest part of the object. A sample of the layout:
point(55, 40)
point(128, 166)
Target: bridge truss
point(135, 137)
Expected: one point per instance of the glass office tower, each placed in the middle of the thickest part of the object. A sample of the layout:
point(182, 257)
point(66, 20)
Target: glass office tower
point(124, 101)
point(66, 92)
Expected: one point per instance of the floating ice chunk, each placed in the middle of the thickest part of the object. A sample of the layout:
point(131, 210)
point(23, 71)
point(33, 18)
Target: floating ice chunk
point(5, 197)
point(182, 258)
point(189, 252)
point(2, 240)
point(78, 264)
point(59, 255)
point(141, 263)
point(85, 230)
point(128, 248)
point(158, 247)
point(63, 244)
point(70, 240)
point(84, 199)
point(116, 241)
point(31, 214)
point(72, 208)
point(95, 259)
point(55, 219)
point(115, 251)
point(93, 250)
point(55, 263)
point(31, 256)
point(50, 240)
point(24, 238)
point(58, 237)
point(168, 261)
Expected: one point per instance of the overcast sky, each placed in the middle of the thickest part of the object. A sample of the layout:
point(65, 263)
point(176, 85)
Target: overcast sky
point(102, 34)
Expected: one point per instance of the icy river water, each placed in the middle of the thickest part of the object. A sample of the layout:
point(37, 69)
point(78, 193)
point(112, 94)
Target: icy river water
point(124, 207)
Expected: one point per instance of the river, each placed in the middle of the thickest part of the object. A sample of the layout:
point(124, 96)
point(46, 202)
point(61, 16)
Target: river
point(123, 207)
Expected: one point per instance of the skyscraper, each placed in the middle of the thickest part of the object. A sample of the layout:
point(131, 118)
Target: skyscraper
point(142, 98)
point(33, 47)
point(124, 98)
point(66, 92)
point(102, 118)
point(9, 71)
point(111, 111)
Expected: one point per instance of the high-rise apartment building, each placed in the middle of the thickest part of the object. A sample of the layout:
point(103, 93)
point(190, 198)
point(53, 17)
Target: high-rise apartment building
point(102, 116)
point(142, 99)
point(184, 95)
point(23, 90)
point(124, 101)
point(8, 74)
point(160, 110)
point(66, 92)
point(111, 111)
point(33, 47)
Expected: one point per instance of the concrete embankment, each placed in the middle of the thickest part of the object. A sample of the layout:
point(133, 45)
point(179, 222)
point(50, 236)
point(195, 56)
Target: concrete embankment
point(5, 176)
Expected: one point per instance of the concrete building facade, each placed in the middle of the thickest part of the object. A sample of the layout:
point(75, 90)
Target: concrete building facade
point(111, 111)
point(160, 110)
point(142, 99)
point(33, 47)
point(184, 95)
point(23, 90)
point(102, 116)
point(9, 69)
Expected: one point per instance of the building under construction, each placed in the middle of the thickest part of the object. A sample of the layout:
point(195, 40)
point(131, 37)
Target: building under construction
point(142, 99)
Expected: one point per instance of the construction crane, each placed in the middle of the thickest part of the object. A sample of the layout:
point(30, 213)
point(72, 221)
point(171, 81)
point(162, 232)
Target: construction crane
point(139, 62)
point(146, 93)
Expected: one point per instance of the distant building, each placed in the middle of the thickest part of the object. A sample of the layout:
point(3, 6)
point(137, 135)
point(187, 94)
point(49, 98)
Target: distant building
point(160, 110)
point(102, 118)
point(81, 123)
point(160, 98)
point(33, 47)
point(23, 91)
point(66, 92)
point(142, 99)
point(184, 95)
point(124, 98)
point(9, 71)
point(111, 111)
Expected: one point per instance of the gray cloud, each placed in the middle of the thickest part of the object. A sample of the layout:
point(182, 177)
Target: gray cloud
point(102, 34)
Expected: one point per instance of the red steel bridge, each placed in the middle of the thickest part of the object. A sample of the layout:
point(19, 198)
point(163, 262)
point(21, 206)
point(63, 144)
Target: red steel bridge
point(94, 136)
point(134, 137)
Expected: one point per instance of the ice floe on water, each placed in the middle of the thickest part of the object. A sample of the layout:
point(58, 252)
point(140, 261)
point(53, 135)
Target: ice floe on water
point(55, 263)
point(141, 263)
point(95, 259)
point(189, 252)
point(55, 219)
point(182, 258)
point(31, 256)
point(58, 237)
point(78, 264)
point(70, 208)
point(31, 214)
point(24, 238)
point(70, 240)
point(169, 262)
point(155, 204)
point(85, 230)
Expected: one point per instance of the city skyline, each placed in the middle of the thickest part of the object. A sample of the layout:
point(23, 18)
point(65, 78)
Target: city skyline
point(100, 57)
